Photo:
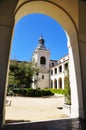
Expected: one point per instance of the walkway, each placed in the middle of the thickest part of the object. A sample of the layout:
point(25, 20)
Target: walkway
point(35, 109)
point(52, 124)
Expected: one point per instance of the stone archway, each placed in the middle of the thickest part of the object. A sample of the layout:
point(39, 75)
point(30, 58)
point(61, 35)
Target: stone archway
point(57, 12)
point(65, 20)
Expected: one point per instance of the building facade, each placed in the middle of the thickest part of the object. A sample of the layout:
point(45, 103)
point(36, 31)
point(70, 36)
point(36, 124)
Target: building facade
point(51, 72)
point(58, 73)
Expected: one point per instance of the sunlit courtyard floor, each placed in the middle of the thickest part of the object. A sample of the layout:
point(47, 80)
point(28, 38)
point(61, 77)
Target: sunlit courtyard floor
point(35, 109)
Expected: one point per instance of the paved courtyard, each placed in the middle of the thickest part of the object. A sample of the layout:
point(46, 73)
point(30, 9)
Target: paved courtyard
point(35, 109)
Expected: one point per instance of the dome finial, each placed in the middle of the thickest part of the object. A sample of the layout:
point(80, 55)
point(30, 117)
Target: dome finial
point(41, 36)
point(41, 45)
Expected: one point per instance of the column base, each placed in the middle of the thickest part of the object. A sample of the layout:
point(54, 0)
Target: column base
point(77, 112)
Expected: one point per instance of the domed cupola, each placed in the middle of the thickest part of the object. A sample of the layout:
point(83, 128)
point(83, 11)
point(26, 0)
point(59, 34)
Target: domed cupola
point(41, 45)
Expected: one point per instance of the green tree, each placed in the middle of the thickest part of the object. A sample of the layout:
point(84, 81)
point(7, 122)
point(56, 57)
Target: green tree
point(12, 69)
point(21, 73)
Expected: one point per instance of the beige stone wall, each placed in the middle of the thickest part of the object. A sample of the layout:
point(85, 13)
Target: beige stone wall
point(71, 7)
point(43, 83)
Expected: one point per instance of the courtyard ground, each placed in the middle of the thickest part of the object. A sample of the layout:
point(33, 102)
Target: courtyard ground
point(35, 109)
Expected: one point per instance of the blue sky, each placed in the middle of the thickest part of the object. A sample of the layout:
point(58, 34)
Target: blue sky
point(27, 32)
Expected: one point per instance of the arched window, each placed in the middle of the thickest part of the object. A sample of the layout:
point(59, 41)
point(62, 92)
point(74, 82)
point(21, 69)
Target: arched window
point(43, 60)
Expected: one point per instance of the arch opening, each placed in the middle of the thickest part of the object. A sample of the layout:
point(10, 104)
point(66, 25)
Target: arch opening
point(51, 84)
point(60, 83)
point(55, 83)
point(58, 14)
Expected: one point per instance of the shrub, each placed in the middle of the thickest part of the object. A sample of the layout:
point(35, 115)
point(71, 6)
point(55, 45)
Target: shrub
point(29, 92)
point(56, 91)
point(38, 93)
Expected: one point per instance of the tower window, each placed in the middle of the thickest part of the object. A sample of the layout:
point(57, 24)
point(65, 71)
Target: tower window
point(42, 76)
point(43, 60)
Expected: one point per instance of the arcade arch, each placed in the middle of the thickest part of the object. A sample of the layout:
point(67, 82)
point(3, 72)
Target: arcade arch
point(51, 83)
point(60, 83)
point(55, 83)
point(60, 15)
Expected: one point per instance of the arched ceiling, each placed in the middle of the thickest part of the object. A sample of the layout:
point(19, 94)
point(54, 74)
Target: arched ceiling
point(48, 9)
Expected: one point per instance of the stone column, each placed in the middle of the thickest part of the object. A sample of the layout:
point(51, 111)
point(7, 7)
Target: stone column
point(6, 27)
point(63, 68)
point(62, 82)
point(57, 81)
point(7, 9)
point(82, 48)
point(75, 81)
point(53, 82)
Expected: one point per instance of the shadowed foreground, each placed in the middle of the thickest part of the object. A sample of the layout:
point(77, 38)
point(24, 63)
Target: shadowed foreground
point(51, 124)
point(66, 124)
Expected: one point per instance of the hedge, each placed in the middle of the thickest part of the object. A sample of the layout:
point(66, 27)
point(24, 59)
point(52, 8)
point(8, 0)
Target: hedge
point(31, 92)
